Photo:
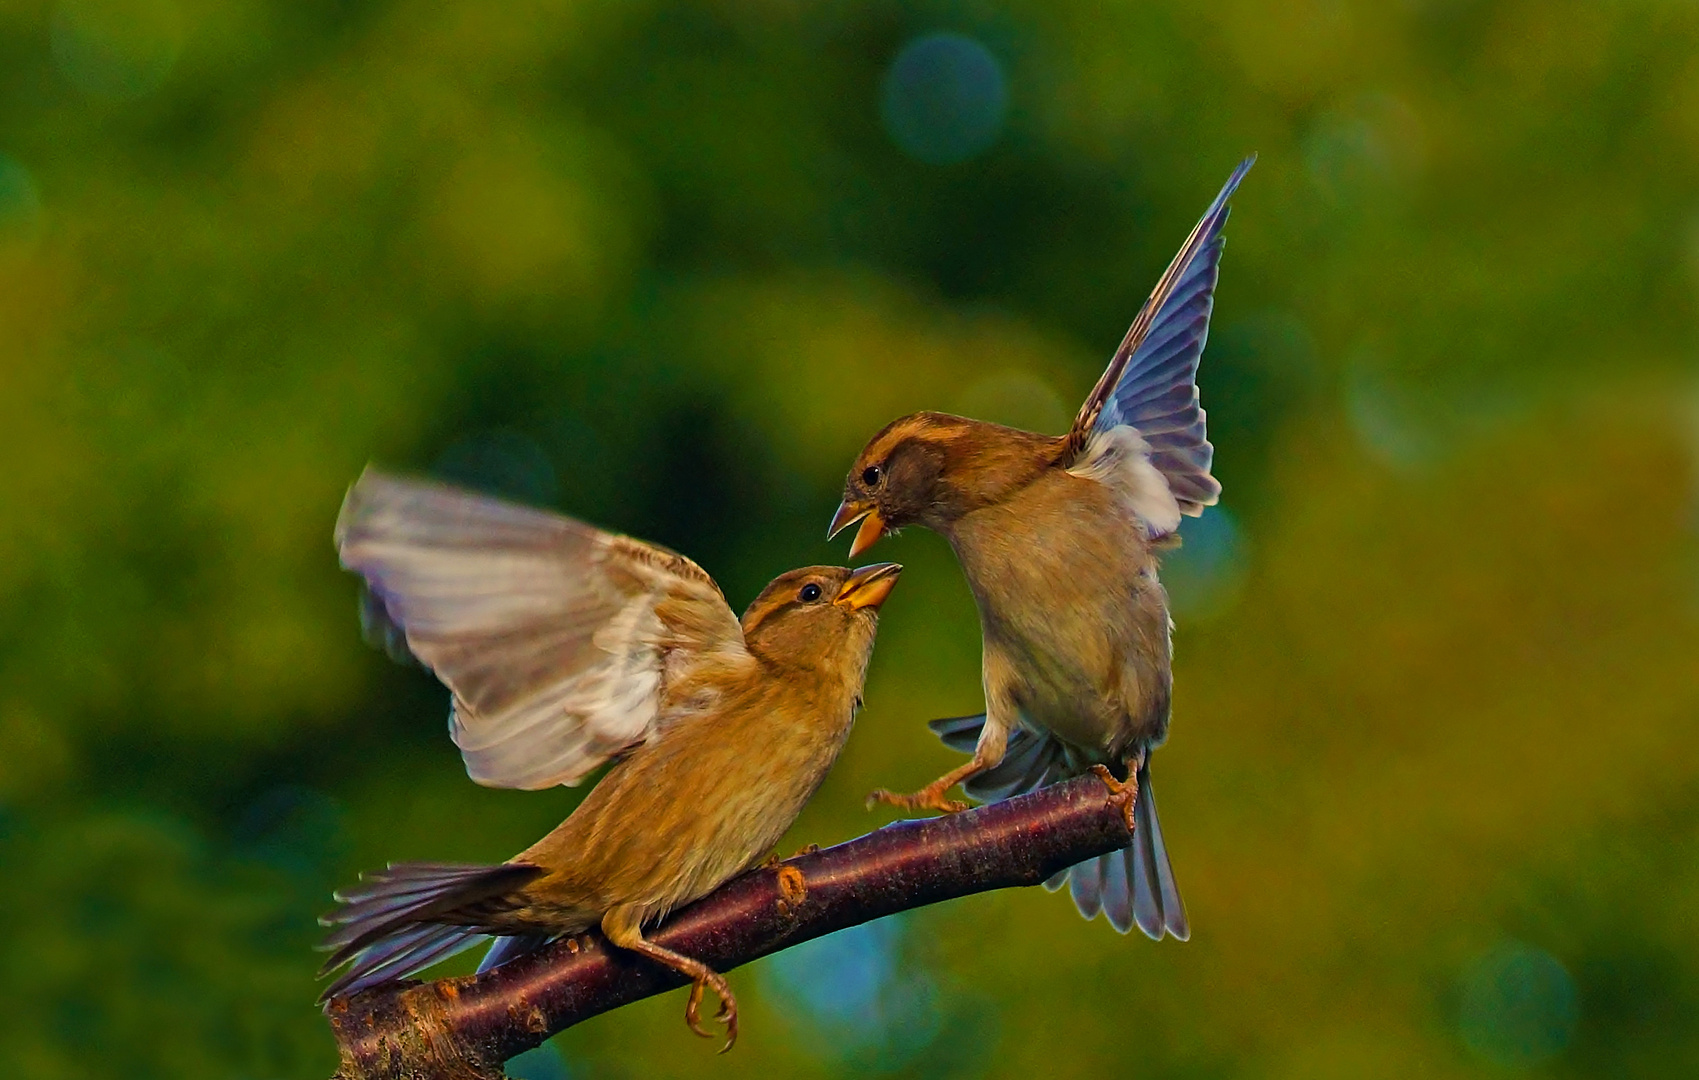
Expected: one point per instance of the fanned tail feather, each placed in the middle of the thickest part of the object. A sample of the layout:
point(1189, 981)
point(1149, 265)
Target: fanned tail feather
point(958, 732)
point(511, 947)
point(411, 950)
point(394, 922)
point(1156, 899)
point(1029, 761)
point(1085, 882)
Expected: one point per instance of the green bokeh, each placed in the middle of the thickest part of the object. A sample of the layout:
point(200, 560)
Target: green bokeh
point(661, 266)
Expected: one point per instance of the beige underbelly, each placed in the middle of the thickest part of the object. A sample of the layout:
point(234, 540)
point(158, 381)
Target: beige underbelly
point(1082, 626)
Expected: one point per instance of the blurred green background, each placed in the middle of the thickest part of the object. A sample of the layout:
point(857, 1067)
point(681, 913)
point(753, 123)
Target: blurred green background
point(1431, 791)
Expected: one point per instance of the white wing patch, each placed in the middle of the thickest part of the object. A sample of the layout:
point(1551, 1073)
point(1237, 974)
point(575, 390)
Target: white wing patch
point(1119, 458)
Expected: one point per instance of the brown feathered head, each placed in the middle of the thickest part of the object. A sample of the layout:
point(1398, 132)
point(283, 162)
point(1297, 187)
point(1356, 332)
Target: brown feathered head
point(819, 616)
point(931, 468)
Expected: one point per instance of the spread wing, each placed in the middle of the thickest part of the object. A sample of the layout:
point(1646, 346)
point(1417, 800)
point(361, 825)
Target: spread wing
point(1151, 383)
point(556, 639)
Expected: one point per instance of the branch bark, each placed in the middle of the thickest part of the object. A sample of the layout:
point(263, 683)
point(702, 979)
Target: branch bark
point(466, 1027)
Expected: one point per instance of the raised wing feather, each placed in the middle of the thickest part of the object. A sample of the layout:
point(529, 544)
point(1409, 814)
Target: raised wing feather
point(1151, 383)
point(556, 639)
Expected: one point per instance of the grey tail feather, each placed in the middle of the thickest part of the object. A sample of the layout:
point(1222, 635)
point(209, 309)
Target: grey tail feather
point(1157, 907)
point(958, 732)
point(398, 956)
point(1118, 889)
point(512, 947)
point(1030, 761)
point(392, 924)
point(1134, 886)
point(1085, 882)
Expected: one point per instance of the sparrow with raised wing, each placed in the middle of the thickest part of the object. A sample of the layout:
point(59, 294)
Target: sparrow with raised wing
point(566, 647)
point(1059, 540)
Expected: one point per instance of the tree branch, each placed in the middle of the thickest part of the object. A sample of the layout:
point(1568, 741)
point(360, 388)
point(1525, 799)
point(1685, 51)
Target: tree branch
point(466, 1027)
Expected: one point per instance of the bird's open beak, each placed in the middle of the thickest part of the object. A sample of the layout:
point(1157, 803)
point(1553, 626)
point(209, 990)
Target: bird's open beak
point(872, 525)
point(869, 586)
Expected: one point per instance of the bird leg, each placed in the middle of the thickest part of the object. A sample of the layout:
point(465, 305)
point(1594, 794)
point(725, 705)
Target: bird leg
point(987, 754)
point(1123, 796)
point(931, 797)
point(622, 925)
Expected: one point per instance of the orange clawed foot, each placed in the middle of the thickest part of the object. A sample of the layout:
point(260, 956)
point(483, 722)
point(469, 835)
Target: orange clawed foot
point(930, 797)
point(1122, 796)
point(728, 1008)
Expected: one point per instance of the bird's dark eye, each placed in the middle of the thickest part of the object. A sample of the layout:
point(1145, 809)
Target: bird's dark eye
point(810, 593)
point(870, 476)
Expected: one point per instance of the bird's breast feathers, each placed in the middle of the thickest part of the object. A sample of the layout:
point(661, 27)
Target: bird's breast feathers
point(1070, 605)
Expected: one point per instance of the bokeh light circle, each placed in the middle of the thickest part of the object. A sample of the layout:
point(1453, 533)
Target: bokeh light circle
point(944, 98)
point(838, 978)
point(1206, 574)
point(873, 1007)
point(1517, 1005)
point(1386, 418)
point(116, 49)
point(20, 202)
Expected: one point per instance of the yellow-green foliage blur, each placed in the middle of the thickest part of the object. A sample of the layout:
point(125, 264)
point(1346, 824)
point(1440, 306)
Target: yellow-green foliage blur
point(1431, 791)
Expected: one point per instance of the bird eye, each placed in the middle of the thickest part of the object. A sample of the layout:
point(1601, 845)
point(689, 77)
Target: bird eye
point(870, 476)
point(810, 593)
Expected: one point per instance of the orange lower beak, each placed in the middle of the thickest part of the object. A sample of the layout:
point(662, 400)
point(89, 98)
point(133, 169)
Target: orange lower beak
point(872, 528)
point(872, 525)
point(869, 586)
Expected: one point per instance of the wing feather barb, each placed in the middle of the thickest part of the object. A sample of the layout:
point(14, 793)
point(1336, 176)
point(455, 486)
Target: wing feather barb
point(558, 641)
point(1180, 272)
point(1150, 387)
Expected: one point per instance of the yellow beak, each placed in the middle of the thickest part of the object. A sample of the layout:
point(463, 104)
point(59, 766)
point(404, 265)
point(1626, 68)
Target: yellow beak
point(869, 586)
point(872, 525)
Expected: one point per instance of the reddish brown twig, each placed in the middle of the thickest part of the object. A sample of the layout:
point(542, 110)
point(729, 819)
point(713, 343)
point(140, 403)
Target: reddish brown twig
point(466, 1027)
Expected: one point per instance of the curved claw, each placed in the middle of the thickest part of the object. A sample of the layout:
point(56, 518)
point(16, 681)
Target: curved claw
point(727, 1014)
point(692, 1006)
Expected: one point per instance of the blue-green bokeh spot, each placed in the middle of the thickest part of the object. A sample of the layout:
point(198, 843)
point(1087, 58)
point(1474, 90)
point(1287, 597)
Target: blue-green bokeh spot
point(944, 98)
point(1517, 1005)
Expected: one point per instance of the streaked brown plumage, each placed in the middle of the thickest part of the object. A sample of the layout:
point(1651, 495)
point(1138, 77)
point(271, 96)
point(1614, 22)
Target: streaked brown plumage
point(1059, 540)
point(565, 647)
